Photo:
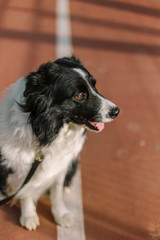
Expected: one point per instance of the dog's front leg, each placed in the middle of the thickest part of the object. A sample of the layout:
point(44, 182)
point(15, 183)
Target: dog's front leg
point(29, 218)
point(59, 211)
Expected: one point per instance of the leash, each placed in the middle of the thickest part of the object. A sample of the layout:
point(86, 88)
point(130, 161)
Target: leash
point(38, 159)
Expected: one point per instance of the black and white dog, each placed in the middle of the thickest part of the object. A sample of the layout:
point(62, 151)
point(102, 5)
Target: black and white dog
point(48, 110)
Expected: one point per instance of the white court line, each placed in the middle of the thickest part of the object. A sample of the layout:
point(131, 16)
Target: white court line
point(63, 29)
point(73, 200)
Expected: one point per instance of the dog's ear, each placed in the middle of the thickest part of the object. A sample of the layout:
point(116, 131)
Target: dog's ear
point(38, 89)
point(39, 102)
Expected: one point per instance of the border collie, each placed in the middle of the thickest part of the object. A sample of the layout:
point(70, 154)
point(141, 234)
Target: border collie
point(49, 110)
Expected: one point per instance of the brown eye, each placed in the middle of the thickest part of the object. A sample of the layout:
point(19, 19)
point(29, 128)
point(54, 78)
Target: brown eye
point(80, 96)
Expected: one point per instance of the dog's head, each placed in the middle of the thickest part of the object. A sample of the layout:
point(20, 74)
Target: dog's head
point(64, 91)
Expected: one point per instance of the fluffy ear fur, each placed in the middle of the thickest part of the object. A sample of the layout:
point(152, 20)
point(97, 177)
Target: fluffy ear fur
point(46, 126)
point(45, 117)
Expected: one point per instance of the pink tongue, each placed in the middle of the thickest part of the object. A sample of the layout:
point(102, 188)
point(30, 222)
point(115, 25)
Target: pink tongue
point(99, 126)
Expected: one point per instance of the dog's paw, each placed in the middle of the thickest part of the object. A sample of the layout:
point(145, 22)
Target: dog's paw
point(66, 220)
point(30, 222)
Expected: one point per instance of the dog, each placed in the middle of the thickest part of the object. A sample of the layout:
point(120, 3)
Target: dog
point(50, 110)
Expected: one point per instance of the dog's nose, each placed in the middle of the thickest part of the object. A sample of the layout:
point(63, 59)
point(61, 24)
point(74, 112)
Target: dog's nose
point(114, 112)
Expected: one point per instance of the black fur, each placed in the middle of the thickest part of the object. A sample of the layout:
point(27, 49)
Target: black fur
point(71, 172)
point(4, 173)
point(50, 98)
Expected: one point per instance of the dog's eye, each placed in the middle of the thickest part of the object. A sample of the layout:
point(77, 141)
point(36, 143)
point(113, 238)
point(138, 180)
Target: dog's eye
point(81, 96)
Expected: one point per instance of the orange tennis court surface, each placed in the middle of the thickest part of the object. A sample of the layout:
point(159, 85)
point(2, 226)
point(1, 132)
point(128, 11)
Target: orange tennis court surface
point(119, 43)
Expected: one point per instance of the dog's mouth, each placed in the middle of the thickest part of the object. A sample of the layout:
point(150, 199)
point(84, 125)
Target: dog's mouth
point(94, 126)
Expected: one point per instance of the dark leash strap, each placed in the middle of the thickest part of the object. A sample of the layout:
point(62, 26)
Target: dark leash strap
point(38, 159)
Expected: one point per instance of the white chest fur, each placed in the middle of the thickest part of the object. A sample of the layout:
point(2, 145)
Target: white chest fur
point(64, 149)
point(58, 156)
